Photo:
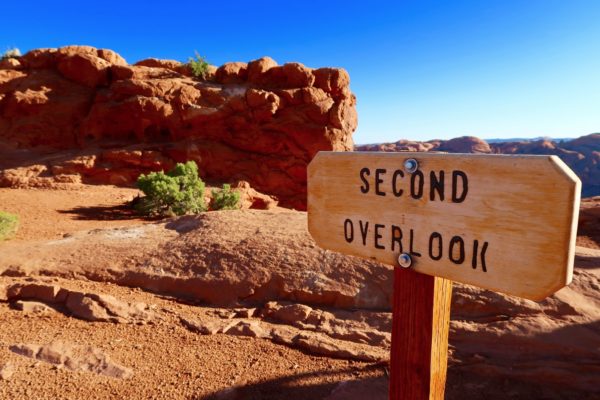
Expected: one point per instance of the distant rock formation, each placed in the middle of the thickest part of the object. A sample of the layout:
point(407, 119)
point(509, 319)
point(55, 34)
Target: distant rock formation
point(582, 154)
point(96, 119)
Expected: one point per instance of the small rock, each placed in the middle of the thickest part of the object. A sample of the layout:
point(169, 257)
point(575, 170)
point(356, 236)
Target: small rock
point(250, 198)
point(206, 328)
point(30, 350)
point(284, 335)
point(32, 307)
point(85, 308)
point(225, 314)
point(6, 371)
point(74, 358)
point(3, 292)
point(292, 313)
point(245, 312)
point(53, 354)
point(101, 307)
point(39, 292)
point(318, 344)
point(247, 328)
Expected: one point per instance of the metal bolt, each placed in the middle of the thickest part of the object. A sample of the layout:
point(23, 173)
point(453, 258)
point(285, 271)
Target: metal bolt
point(405, 260)
point(411, 165)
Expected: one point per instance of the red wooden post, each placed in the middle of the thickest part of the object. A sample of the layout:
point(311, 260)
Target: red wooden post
point(421, 320)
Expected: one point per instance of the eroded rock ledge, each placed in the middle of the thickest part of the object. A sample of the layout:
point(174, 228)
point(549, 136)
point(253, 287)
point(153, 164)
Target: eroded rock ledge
point(84, 114)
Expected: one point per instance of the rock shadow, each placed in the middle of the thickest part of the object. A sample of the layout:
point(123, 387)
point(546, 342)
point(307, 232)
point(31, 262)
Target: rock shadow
point(571, 370)
point(185, 224)
point(587, 262)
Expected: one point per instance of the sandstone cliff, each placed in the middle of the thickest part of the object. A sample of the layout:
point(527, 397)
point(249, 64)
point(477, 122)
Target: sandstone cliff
point(581, 154)
point(83, 114)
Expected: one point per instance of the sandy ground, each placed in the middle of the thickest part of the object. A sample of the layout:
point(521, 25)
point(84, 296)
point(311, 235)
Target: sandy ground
point(168, 360)
point(50, 214)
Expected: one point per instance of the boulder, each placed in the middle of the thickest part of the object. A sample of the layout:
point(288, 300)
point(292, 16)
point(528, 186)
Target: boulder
point(332, 80)
point(258, 68)
point(252, 199)
point(173, 65)
point(112, 57)
point(465, 144)
point(10, 63)
point(232, 72)
point(88, 70)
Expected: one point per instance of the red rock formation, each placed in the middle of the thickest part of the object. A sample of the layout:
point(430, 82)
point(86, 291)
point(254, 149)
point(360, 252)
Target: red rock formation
point(400, 145)
point(257, 122)
point(465, 144)
point(582, 154)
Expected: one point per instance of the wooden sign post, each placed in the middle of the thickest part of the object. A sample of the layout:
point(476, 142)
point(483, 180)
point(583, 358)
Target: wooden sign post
point(503, 223)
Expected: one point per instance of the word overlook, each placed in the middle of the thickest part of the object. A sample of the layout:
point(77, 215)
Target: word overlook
point(451, 186)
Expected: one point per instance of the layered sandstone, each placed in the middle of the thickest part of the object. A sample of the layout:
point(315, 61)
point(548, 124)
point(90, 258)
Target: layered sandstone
point(276, 284)
point(85, 115)
point(581, 154)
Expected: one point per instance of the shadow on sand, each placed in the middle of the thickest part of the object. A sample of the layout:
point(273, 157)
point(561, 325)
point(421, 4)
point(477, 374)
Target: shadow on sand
point(298, 386)
point(102, 213)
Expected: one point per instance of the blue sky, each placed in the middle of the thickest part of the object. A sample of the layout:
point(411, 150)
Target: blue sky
point(420, 69)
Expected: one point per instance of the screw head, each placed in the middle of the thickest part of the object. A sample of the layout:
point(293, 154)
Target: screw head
point(411, 165)
point(405, 260)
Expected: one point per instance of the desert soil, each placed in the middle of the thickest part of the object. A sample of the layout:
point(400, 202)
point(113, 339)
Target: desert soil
point(169, 361)
point(164, 358)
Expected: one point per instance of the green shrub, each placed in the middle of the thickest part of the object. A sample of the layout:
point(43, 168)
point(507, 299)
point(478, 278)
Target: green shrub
point(178, 192)
point(225, 199)
point(11, 53)
point(199, 66)
point(8, 225)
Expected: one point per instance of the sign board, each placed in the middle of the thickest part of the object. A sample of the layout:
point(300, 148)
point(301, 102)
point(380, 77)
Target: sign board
point(506, 223)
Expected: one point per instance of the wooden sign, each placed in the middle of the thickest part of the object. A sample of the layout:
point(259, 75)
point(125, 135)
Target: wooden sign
point(504, 223)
